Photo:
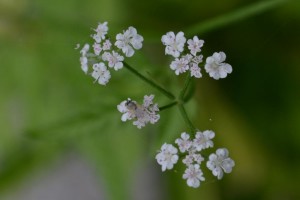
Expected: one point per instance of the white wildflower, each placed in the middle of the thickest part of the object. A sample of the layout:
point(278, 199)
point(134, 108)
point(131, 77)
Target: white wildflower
point(167, 156)
point(83, 58)
point(220, 162)
point(203, 140)
point(194, 175)
point(128, 41)
point(77, 46)
point(197, 59)
point(85, 49)
point(106, 45)
point(184, 143)
point(179, 65)
point(114, 60)
point(188, 159)
point(174, 44)
point(101, 32)
point(100, 73)
point(84, 64)
point(195, 70)
point(197, 158)
point(194, 45)
point(216, 67)
point(97, 48)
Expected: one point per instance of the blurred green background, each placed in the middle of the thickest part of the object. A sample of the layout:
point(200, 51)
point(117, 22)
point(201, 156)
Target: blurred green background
point(50, 109)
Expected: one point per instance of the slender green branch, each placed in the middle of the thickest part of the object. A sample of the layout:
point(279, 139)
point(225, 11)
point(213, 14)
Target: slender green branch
point(190, 92)
point(150, 82)
point(185, 87)
point(168, 106)
point(186, 118)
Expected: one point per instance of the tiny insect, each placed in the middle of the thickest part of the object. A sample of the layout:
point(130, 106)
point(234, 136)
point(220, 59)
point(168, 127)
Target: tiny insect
point(131, 105)
point(135, 108)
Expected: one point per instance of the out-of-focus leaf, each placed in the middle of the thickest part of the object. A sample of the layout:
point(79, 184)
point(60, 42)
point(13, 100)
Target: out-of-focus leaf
point(233, 17)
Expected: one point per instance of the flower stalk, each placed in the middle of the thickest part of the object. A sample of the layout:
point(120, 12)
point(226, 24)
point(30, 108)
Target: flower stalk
point(150, 82)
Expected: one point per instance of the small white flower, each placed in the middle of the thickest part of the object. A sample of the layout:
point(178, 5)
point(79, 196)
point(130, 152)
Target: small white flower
point(142, 114)
point(188, 159)
point(85, 49)
point(195, 45)
point(195, 70)
point(97, 48)
point(197, 59)
point(216, 67)
point(100, 73)
point(174, 44)
point(203, 140)
point(83, 58)
point(167, 156)
point(101, 31)
point(84, 64)
point(129, 40)
point(198, 158)
point(194, 175)
point(180, 65)
point(148, 100)
point(114, 60)
point(106, 45)
point(77, 46)
point(184, 143)
point(192, 158)
point(220, 162)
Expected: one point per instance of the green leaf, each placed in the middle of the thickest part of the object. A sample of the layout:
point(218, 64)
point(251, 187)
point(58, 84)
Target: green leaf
point(233, 17)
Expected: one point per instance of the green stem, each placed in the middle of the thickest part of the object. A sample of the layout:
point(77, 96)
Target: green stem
point(168, 106)
point(186, 118)
point(185, 87)
point(190, 92)
point(150, 82)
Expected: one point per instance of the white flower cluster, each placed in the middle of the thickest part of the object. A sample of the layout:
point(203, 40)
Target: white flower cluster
point(106, 55)
point(142, 114)
point(190, 149)
point(214, 66)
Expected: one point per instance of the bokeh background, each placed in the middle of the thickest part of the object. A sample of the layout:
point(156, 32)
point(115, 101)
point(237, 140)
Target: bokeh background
point(62, 138)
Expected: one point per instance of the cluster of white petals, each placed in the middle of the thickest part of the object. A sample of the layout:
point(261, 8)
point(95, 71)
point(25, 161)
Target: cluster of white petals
point(174, 43)
point(183, 63)
point(194, 175)
point(101, 32)
point(100, 73)
point(114, 60)
point(175, 46)
point(194, 45)
point(203, 140)
point(191, 149)
point(167, 156)
point(107, 55)
point(220, 162)
point(216, 67)
point(142, 114)
point(83, 58)
point(128, 41)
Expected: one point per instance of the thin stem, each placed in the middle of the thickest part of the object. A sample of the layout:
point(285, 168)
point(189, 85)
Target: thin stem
point(185, 87)
point(150, 82)
point(190, 92)
point(186, 118)
point(168, 106)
